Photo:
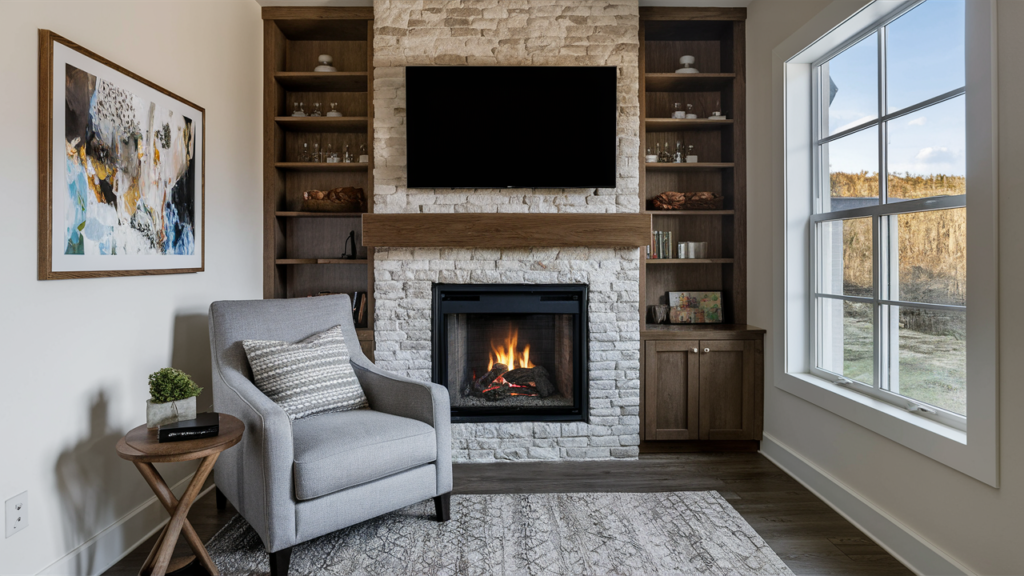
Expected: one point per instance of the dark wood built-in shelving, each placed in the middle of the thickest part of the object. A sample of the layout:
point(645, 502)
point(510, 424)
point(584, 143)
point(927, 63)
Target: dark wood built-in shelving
point(680, 125)
point(322, 123)
point(301, 248)
point(297, 214)
point(294, 261)
point(699, 382)
point(322, 81)
point(690, 261)
point(672, 82)
point(693, 166)
point(689, 212)
point(323, 166)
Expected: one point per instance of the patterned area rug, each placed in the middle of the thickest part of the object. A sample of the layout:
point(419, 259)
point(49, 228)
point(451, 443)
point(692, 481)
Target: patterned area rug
point(512, 534)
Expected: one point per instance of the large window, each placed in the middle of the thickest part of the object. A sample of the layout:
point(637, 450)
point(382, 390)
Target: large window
point(889, 235)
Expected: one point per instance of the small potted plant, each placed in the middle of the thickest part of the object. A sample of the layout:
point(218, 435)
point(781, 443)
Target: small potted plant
point(172, 397)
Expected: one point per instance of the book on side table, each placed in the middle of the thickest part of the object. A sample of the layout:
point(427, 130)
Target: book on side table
point(203, 425)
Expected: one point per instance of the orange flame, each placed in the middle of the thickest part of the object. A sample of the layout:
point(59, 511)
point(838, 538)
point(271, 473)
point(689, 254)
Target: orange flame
point(509, 354)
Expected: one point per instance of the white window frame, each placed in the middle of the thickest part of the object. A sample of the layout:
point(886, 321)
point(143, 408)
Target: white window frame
point(974, 449)
point(886, 344)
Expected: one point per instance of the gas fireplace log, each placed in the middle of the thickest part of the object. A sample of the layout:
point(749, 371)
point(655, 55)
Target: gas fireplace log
point(537, 377)
point(484, 382)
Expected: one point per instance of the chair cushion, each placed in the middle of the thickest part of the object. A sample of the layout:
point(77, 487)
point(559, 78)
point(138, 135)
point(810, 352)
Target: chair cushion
point(339, 450)
point(309, 377)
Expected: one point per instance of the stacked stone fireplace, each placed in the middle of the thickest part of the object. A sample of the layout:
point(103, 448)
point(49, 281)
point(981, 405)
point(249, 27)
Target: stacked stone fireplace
point(513, 33)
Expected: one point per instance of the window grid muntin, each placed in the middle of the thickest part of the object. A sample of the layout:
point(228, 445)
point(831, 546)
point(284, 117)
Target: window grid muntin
point(882, 334)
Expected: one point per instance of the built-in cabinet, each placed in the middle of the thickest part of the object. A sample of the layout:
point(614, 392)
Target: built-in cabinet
point(701, 385)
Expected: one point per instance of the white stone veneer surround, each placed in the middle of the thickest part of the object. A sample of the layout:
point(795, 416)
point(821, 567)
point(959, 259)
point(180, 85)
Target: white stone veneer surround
point(512, 32)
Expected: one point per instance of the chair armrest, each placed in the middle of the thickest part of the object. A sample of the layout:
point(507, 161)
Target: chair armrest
point(423, 401)
point(261, 468)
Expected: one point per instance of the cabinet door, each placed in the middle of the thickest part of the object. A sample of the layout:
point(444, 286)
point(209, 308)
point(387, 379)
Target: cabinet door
point(727, 374)
point(670, 389)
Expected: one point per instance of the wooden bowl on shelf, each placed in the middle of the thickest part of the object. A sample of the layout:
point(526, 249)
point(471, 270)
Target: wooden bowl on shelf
point(687, 201)
point(344, 199)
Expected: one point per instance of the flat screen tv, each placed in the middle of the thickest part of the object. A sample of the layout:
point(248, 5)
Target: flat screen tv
point(511, 126)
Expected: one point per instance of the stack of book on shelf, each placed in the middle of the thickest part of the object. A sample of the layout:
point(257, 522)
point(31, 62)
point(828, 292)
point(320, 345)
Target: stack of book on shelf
point(661, 245)
point(359, 308)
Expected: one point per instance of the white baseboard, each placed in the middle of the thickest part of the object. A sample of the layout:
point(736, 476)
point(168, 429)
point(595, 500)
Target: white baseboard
point(97, 554)
point(906, 545)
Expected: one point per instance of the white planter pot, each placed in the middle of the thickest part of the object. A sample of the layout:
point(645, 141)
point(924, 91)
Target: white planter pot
point(160, 413)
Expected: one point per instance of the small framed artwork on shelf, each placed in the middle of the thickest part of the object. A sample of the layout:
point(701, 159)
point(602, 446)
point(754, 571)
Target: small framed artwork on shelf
point(695, 307)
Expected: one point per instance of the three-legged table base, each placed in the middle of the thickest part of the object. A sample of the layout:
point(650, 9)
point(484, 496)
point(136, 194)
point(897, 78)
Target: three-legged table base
point(159, 561)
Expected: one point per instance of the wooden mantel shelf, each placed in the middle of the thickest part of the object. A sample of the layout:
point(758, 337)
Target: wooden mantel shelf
point(490, 230)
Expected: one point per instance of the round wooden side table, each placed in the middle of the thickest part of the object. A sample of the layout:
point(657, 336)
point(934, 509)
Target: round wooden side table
point(141, 447)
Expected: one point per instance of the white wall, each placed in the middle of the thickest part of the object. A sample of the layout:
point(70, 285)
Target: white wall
point(975, 526)
point(76, 353)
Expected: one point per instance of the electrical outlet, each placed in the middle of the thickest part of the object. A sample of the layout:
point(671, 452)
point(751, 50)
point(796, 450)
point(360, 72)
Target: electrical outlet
point(17, 513)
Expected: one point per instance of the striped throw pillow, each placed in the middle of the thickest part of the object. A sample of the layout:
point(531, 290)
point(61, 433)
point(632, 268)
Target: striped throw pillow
point(309, 377)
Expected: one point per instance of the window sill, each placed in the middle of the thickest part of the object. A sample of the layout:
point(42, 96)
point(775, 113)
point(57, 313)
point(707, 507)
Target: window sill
point(855, 406)
point(934, 440)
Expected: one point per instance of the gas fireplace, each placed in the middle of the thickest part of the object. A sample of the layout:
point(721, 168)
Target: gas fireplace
point(511, 353)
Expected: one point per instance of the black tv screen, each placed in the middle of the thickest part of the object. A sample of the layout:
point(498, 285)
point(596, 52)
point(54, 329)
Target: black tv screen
point(511, 126)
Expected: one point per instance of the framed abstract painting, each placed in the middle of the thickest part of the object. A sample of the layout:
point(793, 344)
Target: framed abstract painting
point(121, 170)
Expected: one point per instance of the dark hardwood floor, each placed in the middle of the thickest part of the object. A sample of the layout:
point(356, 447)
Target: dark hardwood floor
point(809, 536)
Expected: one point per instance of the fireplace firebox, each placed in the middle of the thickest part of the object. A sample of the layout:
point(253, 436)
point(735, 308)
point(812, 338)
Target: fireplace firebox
point(512, 353)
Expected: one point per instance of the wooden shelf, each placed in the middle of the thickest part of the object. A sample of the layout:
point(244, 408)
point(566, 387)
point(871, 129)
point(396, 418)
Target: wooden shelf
point(695, 166)
point(702, 331)
point(346, 23)
point(672, 82)
point(690, 261)
point(293, 261)
point(689, 212)
point(322, 124)
point(295, 214)
point(680, 125)
point(322, 81)
point(323, 166)
point(506, 230)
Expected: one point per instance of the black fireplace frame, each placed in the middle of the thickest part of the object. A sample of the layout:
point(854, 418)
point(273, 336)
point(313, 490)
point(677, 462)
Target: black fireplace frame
point(511, 299)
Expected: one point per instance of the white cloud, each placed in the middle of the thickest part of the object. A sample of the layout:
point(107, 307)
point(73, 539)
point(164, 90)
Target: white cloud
point(918, 121)
point(941, 155)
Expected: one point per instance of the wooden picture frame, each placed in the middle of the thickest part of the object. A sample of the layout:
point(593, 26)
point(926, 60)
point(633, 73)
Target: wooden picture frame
point(128, 195)
point(695, 307)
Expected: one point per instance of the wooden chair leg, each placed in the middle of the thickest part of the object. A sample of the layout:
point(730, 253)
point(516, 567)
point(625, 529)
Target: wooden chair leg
point(222, 500)
point(442, 504)
point(279, 562)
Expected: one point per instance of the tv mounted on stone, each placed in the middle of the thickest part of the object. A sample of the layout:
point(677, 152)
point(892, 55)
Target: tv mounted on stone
point(511, 126)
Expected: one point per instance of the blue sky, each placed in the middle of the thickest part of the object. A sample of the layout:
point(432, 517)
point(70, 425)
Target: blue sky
point(925, 58)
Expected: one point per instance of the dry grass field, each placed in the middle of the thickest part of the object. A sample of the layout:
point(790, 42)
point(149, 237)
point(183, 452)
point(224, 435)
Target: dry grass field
point(932, 248)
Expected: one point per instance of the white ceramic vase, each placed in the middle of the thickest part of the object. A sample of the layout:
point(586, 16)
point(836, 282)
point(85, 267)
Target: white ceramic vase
point(160, 413)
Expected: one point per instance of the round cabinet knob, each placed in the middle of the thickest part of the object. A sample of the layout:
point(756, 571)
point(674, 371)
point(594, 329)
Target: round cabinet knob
point(694, 350)
point(706, 350)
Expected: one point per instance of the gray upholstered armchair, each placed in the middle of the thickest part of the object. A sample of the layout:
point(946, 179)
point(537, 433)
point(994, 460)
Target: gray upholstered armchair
point(294, 481)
